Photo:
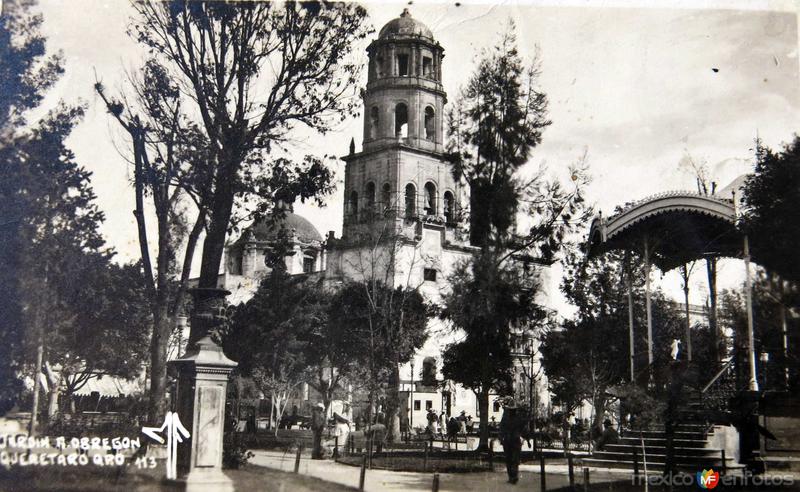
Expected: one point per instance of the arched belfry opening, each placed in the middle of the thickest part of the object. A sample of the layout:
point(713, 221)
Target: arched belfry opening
point(449, 207)
point(430, 199)
point(401, 120)
point(386, 196)
point(411, 199)
point(430, 127)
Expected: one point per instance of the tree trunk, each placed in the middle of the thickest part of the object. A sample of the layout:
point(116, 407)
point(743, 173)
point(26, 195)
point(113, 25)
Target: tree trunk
point(162, 326)
point(52, 403)
point(719, 345)
point(393, 406)
point(32, 430)
point(273, 415)
point(483, 408)
point(214, 242)
point(54, 382)
point(599, 403)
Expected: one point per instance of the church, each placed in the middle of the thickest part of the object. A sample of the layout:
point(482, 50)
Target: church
point(404, 221)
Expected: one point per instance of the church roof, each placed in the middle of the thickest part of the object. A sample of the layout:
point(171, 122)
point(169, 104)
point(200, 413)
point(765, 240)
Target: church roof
point(265, 230)
point(405, 25)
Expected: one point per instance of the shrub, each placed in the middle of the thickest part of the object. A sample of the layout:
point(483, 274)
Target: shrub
point(234, 451)
point(644, 409)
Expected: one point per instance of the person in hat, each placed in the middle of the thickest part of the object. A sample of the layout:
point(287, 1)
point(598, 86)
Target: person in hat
point(609, 435)
point(432, 420)
point(317, 427)
point(512, 432)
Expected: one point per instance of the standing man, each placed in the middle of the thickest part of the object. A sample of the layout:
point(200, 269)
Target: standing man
point(512, 432)
point(317, 427)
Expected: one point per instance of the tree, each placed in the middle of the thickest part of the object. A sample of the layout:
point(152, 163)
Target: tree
point(51, 196)
point(100, 325)
point(494, 126)
point(496, 122)
point(585, 356)
point(169, 155)
point(771, 219)
point(386, 326)
point(705, 186)
point(26, 73)
point(770, 327)
point(253, 72)
point(266, 337)
point(486, 301)
point(174, 167)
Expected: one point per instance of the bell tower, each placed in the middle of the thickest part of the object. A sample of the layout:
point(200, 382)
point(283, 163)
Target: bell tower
point(404, 98)
point(400, 177)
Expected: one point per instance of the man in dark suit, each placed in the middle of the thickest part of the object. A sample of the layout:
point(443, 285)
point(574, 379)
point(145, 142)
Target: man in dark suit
point(513, 430)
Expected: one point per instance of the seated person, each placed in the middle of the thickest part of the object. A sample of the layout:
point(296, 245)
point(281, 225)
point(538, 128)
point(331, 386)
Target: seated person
point(609, 436)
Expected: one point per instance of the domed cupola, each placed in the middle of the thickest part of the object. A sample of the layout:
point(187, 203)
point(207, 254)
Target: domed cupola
point(305, 253)
point(404, 98)
point(405, 25)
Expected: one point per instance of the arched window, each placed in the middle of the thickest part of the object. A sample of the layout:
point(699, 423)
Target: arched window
point(354, 205)
point(401, 121)
point(370, 197)
point(449, 207)
point(430, 199)
point(430, 130)
point(386, 196)
point(374, 120)
point(411, 197)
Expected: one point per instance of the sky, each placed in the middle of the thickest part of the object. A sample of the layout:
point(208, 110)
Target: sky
point(635, 88)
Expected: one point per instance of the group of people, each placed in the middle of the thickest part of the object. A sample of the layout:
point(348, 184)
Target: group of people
point(440, 424)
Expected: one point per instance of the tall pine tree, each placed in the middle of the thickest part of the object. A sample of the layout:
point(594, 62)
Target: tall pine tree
point(494, 126)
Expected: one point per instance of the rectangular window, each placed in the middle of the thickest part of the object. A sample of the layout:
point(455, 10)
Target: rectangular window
point(402, 65)
point(427, 65)
point(429, 274)
point(496, 406)
point(308, 264)
point(428, 404)
point(416, 405)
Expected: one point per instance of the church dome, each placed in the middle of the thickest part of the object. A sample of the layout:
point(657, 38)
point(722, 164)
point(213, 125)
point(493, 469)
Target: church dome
point(302, 228)
point(405, 25)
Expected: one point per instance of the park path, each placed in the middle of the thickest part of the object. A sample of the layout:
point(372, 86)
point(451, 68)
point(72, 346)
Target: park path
point(384, 480)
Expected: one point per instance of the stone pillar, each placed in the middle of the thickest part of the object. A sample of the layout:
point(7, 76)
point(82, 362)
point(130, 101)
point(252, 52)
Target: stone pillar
point(202, 382)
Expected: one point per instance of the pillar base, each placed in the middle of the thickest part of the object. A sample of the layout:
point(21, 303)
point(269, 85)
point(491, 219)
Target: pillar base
point(202, 380)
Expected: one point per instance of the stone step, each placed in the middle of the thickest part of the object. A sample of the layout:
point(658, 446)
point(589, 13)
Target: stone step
point(681, 426)
point(687, 451)
point(662, 442)
point(661, 434)
point(628, 465)
point(788, 463)
point(661, 458)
